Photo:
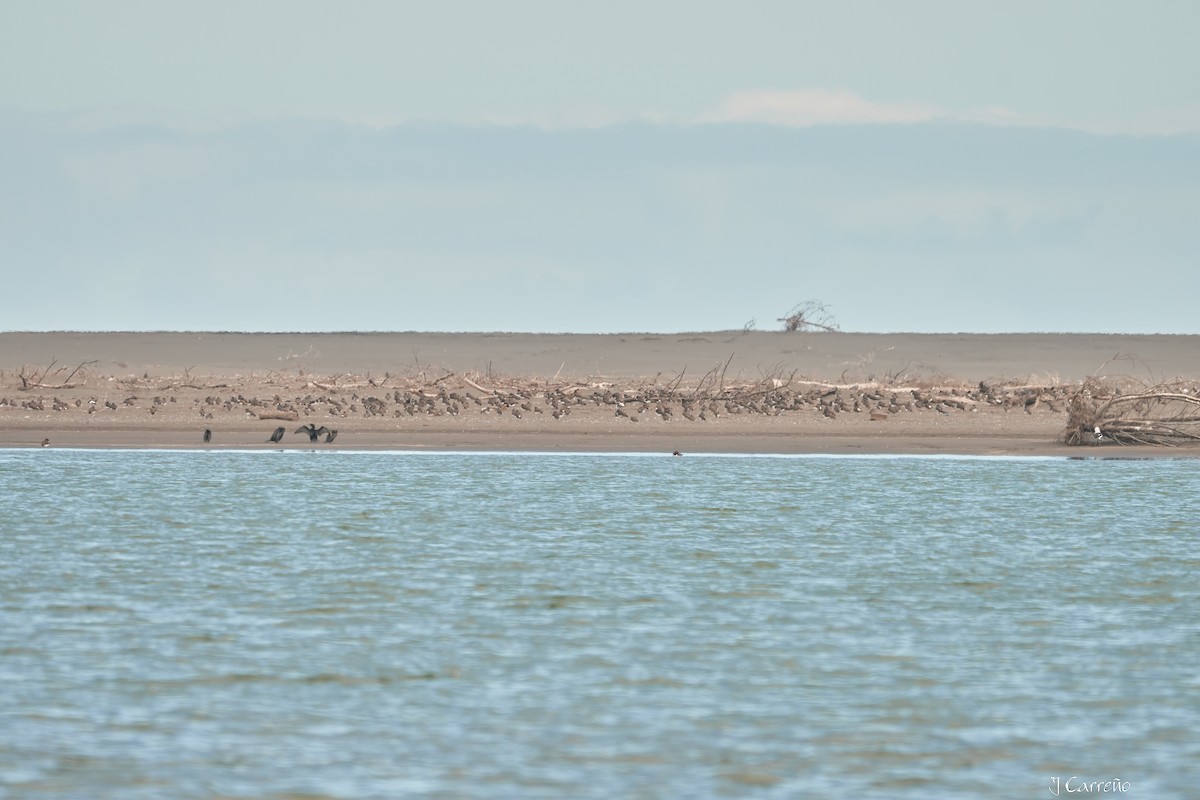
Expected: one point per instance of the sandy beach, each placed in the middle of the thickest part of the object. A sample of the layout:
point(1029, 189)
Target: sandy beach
point(716, 392)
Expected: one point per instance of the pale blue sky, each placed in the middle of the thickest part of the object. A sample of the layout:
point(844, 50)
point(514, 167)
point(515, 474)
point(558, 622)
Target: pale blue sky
point(616, 166)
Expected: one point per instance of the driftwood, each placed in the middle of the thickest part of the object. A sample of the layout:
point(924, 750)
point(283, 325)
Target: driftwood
point(340, 387)
point(36, 381)
point(476, 386)
point(175, 386)
point(1166, 414)
point(288, 416)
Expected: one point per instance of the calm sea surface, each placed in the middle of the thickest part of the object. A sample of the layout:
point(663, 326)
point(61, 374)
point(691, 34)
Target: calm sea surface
point(388, 625)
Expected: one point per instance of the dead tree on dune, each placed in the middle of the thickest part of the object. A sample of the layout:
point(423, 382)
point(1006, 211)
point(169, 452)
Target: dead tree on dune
point(809, 316)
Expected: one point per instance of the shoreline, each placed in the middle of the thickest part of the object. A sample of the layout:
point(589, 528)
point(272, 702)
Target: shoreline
point(882, 456)
point(919, 440)
point(822, 447)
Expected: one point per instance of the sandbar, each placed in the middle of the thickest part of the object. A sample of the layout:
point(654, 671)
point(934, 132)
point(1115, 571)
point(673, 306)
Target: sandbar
point(714, 392)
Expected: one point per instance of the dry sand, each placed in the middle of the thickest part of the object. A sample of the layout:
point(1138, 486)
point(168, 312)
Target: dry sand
point(499, 391)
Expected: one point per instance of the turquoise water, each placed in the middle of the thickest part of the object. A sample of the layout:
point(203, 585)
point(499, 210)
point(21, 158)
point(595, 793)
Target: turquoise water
point(383, 625)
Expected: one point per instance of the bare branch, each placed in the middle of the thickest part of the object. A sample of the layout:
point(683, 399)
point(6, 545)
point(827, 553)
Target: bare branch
point(809, 315)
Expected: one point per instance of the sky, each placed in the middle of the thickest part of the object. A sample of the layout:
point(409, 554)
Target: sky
point(620, 166)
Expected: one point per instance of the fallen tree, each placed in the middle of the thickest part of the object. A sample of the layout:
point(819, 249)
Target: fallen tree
point(1165, 414)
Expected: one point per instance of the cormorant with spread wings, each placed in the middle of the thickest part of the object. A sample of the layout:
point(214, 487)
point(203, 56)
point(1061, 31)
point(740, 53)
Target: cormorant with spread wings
point(313, 431)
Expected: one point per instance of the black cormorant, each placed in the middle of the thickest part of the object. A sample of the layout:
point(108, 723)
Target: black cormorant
point(207, 435)
point(277, 435)
point(313, 431)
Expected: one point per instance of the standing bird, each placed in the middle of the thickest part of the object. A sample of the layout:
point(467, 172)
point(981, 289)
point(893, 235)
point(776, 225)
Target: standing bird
point(332, 435)
point(313, 431)
point(207, 435)
point(45, 442)
point(277, 435)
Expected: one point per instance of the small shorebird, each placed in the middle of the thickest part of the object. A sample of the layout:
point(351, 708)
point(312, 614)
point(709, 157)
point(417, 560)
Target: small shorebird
point(277, 435)
point(45, 442)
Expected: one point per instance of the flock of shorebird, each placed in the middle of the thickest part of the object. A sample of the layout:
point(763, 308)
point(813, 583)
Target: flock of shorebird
point(314, 434)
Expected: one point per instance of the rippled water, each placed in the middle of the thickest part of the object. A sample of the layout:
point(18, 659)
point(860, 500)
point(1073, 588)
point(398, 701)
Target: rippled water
point(354, 625)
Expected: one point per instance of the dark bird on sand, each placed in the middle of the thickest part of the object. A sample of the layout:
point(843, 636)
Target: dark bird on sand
point(207, 435)
point(45, 442)
point(277, 435)
point(331, 436)
point(313, 431)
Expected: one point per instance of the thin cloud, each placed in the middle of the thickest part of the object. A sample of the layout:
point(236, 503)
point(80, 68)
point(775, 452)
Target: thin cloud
point(799, 108)
point(807, 107)
point(802, 108)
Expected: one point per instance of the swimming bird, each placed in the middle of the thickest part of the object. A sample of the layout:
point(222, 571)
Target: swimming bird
point(207, 435)
point(313, 431)
point(278, 434)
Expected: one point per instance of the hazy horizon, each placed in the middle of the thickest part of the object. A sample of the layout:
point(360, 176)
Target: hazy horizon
point(390, 166)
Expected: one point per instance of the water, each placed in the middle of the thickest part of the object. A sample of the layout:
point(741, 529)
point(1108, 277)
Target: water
point(384, 625)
